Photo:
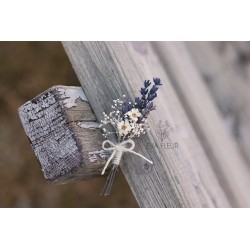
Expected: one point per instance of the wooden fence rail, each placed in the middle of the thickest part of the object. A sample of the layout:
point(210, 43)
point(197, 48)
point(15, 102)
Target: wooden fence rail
point(225, 68)
point(230, 168)
point(196, 160)
point(180, 177)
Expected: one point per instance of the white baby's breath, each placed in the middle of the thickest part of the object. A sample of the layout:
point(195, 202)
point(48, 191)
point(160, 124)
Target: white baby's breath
point(127, 125)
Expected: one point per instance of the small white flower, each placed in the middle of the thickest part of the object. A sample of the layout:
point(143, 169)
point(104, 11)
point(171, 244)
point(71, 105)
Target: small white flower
point(134, 114)
point(123, 127)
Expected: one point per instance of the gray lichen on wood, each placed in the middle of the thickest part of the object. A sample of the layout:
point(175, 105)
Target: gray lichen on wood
point(64, 134)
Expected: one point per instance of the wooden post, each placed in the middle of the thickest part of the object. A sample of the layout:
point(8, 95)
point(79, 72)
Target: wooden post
point(64, 134)
point(181, 176)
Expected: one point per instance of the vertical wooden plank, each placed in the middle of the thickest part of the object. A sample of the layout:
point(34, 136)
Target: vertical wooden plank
point(231, 169)
point(181, 177)
point(225, 68)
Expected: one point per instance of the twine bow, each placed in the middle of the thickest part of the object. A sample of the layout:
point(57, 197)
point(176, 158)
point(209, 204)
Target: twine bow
point(118, 150)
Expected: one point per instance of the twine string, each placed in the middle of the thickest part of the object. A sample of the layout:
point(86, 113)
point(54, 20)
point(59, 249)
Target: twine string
point(118, 150)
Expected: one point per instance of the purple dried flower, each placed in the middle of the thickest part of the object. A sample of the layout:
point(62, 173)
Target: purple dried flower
point(152, 97)
point(157, 81)
point(137, 100)
point(144, 91)
point(153, 90)
point(147, 83)
point(150, 106)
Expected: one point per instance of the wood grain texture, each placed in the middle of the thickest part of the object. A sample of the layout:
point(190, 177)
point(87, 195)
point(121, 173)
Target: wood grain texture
point(230, 167)
point(180, 177)
point(225, 68)
point(64, 134)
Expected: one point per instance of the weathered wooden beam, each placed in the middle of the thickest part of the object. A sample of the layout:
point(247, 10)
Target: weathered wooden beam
point(64, 134)
point(228, 164)
point(180, 177)
point(225, 68)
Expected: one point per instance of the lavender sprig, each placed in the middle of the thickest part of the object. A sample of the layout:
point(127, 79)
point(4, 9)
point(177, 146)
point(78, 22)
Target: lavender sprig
point(130, 120)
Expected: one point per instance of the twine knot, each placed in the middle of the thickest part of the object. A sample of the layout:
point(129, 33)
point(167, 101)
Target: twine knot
point(118, 150)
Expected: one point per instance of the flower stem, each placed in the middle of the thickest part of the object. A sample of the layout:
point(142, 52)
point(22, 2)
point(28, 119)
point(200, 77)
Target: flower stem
point(110, 179)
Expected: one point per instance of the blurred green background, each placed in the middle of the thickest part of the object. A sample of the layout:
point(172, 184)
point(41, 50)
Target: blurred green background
point(28, 68)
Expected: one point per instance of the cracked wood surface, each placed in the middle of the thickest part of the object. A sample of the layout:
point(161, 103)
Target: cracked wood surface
point(64, 134)
point(180, 177)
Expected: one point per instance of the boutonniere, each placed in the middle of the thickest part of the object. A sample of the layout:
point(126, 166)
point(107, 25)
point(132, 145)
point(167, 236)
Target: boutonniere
point(127, 120)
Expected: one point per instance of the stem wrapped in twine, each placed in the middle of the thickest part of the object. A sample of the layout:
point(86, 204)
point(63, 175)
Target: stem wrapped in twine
point(110, 179)
point(118, 150)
